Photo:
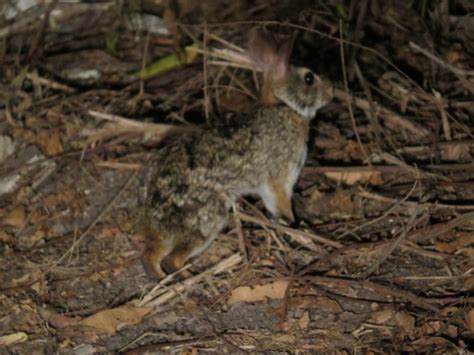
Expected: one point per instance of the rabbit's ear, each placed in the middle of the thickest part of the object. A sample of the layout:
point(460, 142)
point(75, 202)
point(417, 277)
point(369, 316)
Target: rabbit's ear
point(261, 49)
point(267, 56)
point(281, 65)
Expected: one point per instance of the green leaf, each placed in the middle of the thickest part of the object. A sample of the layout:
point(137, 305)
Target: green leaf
point(168, 63)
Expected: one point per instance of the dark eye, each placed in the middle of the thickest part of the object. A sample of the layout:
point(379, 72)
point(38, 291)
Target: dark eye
point(309, 78)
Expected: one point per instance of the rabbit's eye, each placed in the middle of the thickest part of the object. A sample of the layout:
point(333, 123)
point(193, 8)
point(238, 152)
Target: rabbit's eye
point(309, 78)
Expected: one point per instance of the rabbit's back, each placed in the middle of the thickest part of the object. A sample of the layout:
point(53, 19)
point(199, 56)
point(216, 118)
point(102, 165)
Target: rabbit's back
point(198, 165)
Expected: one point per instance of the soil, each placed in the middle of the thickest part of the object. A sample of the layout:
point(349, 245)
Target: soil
point(380, 259)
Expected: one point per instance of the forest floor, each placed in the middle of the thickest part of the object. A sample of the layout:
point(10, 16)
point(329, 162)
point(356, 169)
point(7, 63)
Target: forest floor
point(381, 258)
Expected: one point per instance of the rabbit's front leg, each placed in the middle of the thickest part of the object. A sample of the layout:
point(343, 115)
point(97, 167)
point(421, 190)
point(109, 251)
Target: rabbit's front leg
point(276, 198)
point(283, 200)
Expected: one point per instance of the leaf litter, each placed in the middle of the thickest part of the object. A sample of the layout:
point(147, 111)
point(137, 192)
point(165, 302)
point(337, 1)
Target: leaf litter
point(381, 259)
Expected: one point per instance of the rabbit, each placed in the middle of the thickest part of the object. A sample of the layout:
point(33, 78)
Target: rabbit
point(197, 177)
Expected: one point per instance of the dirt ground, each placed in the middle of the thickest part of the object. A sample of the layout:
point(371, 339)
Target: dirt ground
point(380, 259)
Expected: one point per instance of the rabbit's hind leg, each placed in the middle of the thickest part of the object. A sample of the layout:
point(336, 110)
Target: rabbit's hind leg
point(158, 246)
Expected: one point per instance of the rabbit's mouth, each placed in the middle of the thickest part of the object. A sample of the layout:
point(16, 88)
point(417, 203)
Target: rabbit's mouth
point(305, 110)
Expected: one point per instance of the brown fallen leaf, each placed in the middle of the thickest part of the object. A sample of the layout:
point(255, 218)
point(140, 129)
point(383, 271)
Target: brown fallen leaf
point(429, 328)
point(303, 322)
point(319, 302)
point(469, 283)
point(11, 339)
point(337, 204)
point(406, 322)
point(5, 237)
point(287, 338)
point(273, 290)
point(109, 321)
point(382, 317)
point(452, 331)
point(457, 244)
point(356, 177)
point(60, 321)
point(456, 152)
point(354, 151)
point(469, 318)
point(49, 142)
point(15, 218)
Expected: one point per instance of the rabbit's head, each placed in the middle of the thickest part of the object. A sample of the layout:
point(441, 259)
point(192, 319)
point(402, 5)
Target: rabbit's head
point(298, 87)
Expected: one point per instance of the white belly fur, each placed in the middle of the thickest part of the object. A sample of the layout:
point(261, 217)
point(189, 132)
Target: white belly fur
point(294, 170)
point(266, 193)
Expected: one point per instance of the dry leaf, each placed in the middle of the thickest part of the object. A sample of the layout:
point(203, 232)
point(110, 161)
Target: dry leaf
point(5, 237)
point(356, 177)
point(7, 147)
point(287, 338)
point(15, 338)
point(382, 317)
point(110, 321)
point(406, 322)
point(453, 56)
point(452, 331)
point(49, 142)
point(337, 204)
point(303, 322)
point(16, 218)
point(456, 152)
point(469, 252)
point(443, 248)
point(60, 321)
point(469, 283)
point(430, 328)
point(26, 279)
point(354, 151)
point(458, 243)
point(9, 183)
point(319, 302)
point(274, 290)
point(470, 320)
point(328, 304)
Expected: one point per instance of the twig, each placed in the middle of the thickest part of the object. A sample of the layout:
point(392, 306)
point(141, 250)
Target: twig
point(226, 43)
point(394, 119)
point(371, 112)
point(240, 234)
point(160, 346)
point(388, 212)
point(141, 91)
point(151, 300)
point(118, 166)
point(439, 61)
point(207, 100)
point(157, 129)
point(289, 230)
point(388, 250)
point(50, 84)
point(391, 294)
point(444, 116)
point(441, 228)
point(436, 205)
point(346, 88)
